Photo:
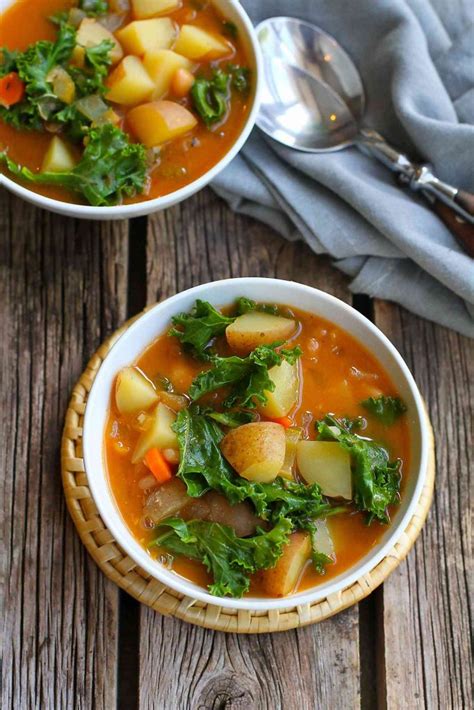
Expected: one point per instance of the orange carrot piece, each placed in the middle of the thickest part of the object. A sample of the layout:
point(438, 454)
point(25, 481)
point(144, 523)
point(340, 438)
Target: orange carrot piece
point(12, 89)
point(284, 421)
point(158, 465)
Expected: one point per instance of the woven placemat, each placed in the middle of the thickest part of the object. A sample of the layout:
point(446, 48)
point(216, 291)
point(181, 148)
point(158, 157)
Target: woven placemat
point(121, 569)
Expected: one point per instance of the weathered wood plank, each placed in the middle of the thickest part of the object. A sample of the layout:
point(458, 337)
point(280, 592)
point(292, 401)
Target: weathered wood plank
point(426, 602)
point(182, 666)
point(62, 291)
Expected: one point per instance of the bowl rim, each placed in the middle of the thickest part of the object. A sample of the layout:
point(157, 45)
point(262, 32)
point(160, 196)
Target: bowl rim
point(176, 581)
point(156, 204)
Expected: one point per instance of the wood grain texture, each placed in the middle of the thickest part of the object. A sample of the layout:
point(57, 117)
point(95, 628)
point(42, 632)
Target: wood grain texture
point(426, 602)
point(62, 284)
point(187, 667)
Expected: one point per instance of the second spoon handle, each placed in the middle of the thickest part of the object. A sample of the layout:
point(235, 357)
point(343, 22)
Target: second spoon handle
point(456, 207)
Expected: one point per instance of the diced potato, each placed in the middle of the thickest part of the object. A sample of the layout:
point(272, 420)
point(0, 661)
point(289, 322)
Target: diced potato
point(133, 391)
point(160, 121)
point(285, 395)
point(256, 450)
point(162, 65)
point(256, 328)
point(327, 464)
point(58, 158)
point(158, 434)
point(292, 436)
point(322, 539)
point(196, 43)
point(143, 9)
point(146, 35)
point(78, 57)
point(91, 33)
point(283, 578)
point(129, 83)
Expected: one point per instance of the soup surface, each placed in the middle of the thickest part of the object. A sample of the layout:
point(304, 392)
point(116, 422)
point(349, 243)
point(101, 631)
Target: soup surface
point(184, 101)
point(333, 374)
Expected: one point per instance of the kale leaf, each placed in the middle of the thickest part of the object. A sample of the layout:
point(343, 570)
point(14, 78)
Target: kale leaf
point(211, 97)
point(386, 409)
point(94, 8)
point(110, 168)
point(245, 305)
point(247, 376)
point(230, 559)
point(197, 328)
point(231, 419)
point(375, 478)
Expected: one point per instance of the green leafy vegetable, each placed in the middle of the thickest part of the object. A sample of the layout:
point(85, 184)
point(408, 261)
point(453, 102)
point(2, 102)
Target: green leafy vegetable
point(375, 478)
point(240, 78)
point(320, 561)
point(196, 329)
point(245, 305)
point(230, 29)
point(247, 376)
point(211, 97)
point(202, 468)
point(110, 168)
point(94, 8)
point(8, 58)
point(230, 419)
point(385, 409)
point(228, 558)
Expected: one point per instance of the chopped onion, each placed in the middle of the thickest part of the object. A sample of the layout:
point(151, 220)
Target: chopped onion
point(92, 107)
point(112, 22)
point(120, 6)
point(76, 16)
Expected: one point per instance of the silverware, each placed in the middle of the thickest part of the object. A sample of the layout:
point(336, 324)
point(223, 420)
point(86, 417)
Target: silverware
point(313, 100)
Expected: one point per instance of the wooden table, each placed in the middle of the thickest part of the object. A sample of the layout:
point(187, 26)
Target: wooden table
point(72, 639)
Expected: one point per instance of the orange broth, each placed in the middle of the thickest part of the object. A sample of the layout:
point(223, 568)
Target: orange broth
point(183, 159)
point(336, 374)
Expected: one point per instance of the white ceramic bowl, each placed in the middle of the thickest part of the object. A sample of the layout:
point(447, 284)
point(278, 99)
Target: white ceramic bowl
point(220, 293)
point(232, 10)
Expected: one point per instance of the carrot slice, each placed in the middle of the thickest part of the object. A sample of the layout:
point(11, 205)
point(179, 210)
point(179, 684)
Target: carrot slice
point(12, 89)
point(158, 465)
point(284, 421)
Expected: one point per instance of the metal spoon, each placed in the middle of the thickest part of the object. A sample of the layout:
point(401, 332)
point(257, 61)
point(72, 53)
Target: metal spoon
point(313, 101)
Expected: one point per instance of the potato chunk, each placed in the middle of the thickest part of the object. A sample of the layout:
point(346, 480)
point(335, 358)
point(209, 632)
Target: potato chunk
point(129, 83)
point(91, 33)
point(58, 158)
point(327, 464)
point(150, 8)
point(292, 436)
point(160, 121)
point(256, 450)
point(283, 578)
point(146, 35)
point(285, 395)
point(133, 392)
point(158, 433)
point(256, 328)
point(162, 65)
point(196, 43)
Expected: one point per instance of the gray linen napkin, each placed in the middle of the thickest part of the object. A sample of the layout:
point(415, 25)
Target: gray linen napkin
point(420, 94)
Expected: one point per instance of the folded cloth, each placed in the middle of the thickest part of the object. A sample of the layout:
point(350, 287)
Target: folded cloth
point(419, 83)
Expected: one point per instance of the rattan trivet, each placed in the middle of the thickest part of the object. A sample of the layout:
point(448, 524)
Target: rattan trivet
point(121, 569)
